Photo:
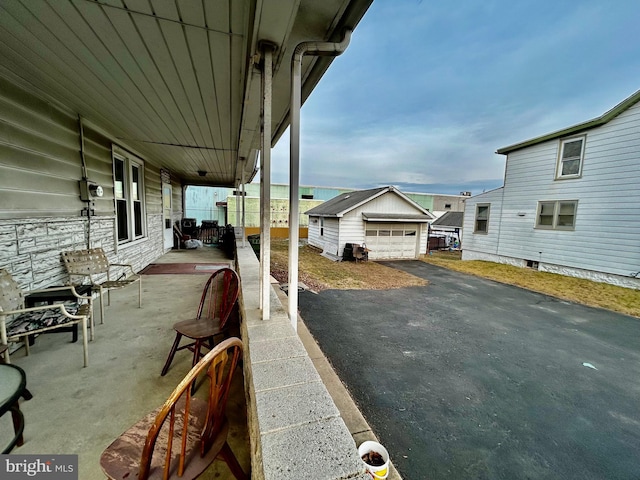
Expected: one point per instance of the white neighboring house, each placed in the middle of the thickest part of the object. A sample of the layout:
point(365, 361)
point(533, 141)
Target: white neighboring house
point(446, 230)
point(390, 224)
point(570, 203)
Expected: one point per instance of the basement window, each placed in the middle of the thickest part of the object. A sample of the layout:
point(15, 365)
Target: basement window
point(533, 264)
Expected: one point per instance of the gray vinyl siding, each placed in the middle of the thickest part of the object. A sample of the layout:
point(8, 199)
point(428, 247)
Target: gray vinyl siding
point(39, 157)
point(424, 237)
point(153, 192)
point(482, 242)
point(99, 162)
point(352, 227)
point(313, 235)
point(40, 206)
point(328, 241)
point(330, 236)
point(607, 226)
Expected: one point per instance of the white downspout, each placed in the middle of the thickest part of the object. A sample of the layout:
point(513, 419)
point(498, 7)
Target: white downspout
point(305, 48)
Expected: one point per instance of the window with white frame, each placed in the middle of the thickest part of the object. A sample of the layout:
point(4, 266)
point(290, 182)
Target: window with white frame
point(481, 224)
point(128, 174)
point(570, 158)
point(557, 215)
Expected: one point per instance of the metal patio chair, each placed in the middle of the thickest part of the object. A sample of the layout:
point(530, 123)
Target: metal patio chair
point(18, 322)
point(94, 265)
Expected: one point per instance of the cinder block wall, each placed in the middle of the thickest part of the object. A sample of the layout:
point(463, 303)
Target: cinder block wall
point(295, 428)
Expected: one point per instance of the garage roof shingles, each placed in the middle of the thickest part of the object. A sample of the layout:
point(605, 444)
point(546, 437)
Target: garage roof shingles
point(338, 206)
point(343, 203)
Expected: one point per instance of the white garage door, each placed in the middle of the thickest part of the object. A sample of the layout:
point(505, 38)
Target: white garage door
point(392, 240)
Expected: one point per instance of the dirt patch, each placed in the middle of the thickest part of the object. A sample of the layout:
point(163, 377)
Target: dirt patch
point(320, 273)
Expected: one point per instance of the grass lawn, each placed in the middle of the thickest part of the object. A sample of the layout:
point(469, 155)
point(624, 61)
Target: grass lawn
point(586, 292)
point(320, 273)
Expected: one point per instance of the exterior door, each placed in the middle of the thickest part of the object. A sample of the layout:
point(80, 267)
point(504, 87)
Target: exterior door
point(167, 218)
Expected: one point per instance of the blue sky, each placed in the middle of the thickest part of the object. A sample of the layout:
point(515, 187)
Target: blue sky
point(427, 91)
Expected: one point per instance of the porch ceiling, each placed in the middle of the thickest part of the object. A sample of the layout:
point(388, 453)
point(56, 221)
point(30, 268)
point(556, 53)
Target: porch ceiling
point(175, 81)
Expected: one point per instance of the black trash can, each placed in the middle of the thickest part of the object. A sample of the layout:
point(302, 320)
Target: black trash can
point(188, 227)
point(347, 254)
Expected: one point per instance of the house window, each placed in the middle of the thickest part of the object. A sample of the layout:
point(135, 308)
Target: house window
point(570, 158)
point(447, 206)
point(321, 226)
point(557, 215)
point(129, 196)
point(482, 219)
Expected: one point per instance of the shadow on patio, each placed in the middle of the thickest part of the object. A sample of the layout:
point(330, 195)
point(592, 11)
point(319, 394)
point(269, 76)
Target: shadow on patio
point(76, 410)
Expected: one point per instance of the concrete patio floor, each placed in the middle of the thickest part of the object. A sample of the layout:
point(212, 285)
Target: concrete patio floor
point(76, 410)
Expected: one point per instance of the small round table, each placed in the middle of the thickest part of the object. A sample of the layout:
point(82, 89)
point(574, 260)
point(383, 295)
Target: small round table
point(13, 385)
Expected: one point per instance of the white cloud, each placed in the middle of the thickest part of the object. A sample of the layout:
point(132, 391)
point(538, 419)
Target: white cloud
point(426, 93)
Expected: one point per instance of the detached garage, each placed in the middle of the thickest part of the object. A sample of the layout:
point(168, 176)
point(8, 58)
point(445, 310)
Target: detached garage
point(386, 221)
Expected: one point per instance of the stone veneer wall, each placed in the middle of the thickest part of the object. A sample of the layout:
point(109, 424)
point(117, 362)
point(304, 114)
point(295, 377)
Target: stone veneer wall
point(30, 248)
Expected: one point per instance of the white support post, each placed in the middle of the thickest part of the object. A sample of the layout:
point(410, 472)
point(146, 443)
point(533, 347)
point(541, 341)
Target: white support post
point(238, 201)
point(294, 187)
point(265, 183)
point(244, 236)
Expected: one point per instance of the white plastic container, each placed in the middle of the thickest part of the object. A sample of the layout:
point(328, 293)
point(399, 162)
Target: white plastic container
point(379, 472)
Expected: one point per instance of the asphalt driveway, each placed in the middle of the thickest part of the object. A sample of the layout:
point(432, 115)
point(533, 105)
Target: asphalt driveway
point(466, 378)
